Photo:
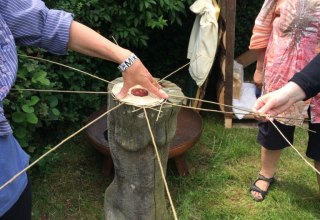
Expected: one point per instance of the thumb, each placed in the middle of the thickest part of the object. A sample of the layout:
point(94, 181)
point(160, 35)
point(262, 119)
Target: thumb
point(123, 93)
point(266, 108)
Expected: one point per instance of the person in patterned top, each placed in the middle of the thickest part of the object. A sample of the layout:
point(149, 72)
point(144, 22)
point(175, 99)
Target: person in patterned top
point(286, 37)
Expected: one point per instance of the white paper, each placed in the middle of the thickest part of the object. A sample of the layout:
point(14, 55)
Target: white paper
point(246, 101)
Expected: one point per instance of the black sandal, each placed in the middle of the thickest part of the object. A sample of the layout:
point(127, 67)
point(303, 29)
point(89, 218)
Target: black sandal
point(255, 188)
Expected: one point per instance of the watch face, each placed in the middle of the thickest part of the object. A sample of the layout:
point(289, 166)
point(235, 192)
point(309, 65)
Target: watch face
point(137, 96)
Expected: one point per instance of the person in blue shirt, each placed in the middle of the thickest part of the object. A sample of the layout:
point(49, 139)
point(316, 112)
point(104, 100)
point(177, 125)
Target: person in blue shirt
point(31, 23)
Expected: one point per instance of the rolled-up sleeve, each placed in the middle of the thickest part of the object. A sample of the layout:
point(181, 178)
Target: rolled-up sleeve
point(33, 24)
point(263, 25)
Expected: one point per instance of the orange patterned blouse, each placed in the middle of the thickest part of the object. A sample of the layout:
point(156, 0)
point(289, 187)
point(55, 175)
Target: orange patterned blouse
point(289, 30)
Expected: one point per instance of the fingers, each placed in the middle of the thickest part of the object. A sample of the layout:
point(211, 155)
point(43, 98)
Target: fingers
point(155, 83)
point(137, 74)
point(258, 109)
point(123, 92)
point(158, 92)
point(148, 83)
point(264, 108)
point(259, 117)
point(154, 87)
point(259, 104)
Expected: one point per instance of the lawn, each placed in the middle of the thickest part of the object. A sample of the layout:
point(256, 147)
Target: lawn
point(222, 166)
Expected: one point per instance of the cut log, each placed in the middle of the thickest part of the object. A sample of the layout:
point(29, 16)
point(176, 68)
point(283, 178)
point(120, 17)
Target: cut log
point(137, 191)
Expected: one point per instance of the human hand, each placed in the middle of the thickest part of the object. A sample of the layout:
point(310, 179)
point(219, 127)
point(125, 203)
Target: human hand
point(137, 74)
point(271, 105)
point(258, 78)
point(278, 101)
point(86, 41)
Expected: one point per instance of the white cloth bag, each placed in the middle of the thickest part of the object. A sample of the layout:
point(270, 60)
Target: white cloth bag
point(203, 40)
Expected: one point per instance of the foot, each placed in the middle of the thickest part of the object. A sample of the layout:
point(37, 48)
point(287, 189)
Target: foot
point(260, 187)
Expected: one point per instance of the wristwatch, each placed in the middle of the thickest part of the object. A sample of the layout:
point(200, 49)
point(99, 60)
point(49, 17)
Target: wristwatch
point(127, 63)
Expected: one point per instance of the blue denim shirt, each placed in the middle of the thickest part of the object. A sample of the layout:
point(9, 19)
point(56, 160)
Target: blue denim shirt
point(23, 22)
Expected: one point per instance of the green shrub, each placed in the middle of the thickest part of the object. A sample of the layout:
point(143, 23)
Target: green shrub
point(157, 30)
point(130, 23)
point(247, 12)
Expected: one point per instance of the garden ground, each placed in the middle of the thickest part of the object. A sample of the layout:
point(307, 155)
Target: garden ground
point(222, 166)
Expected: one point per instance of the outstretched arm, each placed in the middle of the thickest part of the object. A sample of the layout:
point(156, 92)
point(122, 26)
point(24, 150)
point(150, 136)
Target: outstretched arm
point(86, 41)
point(302, 85)
point(280, 100)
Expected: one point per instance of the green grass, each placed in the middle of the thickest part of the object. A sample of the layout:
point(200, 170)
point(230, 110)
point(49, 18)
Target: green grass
point(222, 166)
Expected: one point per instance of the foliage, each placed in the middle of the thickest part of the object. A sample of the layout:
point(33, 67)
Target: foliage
point(25, 108)
point(130, 23)
point(247, 11)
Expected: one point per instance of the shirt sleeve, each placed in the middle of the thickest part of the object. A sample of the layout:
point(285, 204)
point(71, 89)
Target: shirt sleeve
point(309, 78)
point(33, 24)
point(263, 26)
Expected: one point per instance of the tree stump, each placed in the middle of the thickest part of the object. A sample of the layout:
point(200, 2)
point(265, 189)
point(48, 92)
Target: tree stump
point(137, 191)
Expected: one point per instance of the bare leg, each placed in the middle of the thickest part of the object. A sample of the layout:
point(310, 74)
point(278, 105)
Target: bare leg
point(317, 166)
point(269, 160)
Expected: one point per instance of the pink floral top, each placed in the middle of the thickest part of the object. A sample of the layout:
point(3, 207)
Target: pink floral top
point(289, 30)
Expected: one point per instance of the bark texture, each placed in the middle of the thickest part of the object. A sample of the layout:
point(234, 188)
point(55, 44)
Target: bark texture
point(137, 191)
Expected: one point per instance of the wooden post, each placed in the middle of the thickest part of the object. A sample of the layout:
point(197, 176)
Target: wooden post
point(137, 191)
point(228, 9)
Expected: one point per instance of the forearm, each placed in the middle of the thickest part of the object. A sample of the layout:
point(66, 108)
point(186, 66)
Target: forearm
point(293, 92)
point(86, 41)
point(260, 58)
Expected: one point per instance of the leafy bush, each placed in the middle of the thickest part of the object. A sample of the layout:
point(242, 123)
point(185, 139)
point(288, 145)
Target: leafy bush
point(157, 30)
point(130, 23)
point(247, 12)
